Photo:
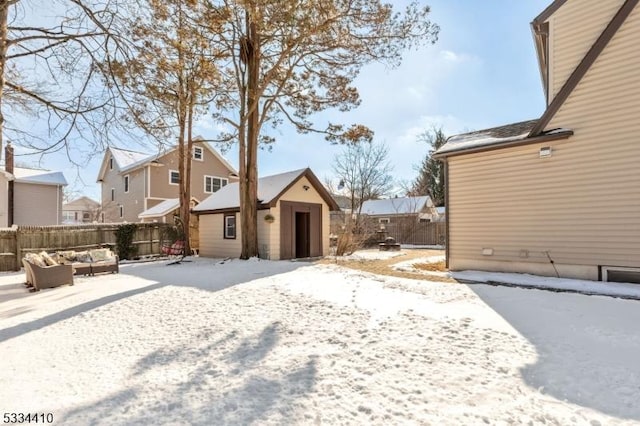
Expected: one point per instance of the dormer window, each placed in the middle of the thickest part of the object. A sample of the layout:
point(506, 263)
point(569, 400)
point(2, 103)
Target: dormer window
point(198, 153)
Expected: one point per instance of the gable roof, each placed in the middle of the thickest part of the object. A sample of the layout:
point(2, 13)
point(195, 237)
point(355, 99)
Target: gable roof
point(128, 160)
point(37, 176)
point(270, 189)
point(585, 64)
point(399, 205)
point(82, 201)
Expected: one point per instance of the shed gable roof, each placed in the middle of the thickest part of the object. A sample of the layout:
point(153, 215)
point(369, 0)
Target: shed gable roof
point(270, 189)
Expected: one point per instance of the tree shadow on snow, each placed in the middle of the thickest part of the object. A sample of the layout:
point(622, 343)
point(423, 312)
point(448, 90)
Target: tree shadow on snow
point(203, 274)
point(587, 346)
point(203, 395)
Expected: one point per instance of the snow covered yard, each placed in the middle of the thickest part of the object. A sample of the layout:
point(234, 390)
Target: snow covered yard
point(297, 343)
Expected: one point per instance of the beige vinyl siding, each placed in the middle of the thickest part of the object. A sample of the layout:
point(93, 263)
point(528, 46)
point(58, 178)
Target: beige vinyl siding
point(37, 204)
point(210, 166)
point(582, 204)
point(133, 201)
point(212, 242)
point(298, 194)
point(4, 201)
point(574, 28)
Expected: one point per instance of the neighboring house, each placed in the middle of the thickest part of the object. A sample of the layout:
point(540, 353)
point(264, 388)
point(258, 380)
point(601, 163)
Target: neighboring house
point(37, 195)
point(134, 182)
point(399, 209)
point(299, 207)
point(81, 210)
point(559, 195)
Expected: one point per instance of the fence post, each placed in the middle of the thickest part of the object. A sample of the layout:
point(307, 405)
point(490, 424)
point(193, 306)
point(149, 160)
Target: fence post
point(18, 254)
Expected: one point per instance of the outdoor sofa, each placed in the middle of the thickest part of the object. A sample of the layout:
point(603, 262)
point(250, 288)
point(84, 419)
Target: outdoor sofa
point(39, 276)
point(90, 262)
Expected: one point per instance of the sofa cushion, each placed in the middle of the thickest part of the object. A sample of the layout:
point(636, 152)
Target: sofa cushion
point(68, 256)
point(101, 255)
point(50, 261)
point(35, 259)
point(83, 256)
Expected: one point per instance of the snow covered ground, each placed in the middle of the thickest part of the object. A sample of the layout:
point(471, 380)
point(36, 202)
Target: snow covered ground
point(295, 343)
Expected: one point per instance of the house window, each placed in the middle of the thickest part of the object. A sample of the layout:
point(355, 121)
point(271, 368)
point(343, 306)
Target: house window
point(126, 183)
point(198, 154)
point(174, 177)
point(230, 227)
point(423, 220)
point(213, 184)
point(75, 216)
point(85, 216)
point(113, 194)
point(121, 211)
point(384, 220)
point(111, 163)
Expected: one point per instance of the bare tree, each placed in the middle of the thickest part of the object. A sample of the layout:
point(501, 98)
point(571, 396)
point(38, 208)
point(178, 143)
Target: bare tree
point(170, 78)
point(293, 58)
point(50, 56)
point(365, 173)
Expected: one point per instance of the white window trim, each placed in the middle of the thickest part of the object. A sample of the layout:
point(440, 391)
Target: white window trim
point(127, 184)
point(201, 153)
point(214, 177)
point(174, 171)
point(226, 227)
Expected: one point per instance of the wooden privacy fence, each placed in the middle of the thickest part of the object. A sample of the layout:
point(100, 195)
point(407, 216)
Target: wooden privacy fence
point(430, 233)
point(17, 241)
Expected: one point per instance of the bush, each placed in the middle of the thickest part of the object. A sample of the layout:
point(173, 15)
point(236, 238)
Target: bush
point(124, 241)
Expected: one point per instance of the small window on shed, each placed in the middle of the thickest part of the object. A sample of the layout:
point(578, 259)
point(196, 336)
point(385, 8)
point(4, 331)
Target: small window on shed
point(229, 226)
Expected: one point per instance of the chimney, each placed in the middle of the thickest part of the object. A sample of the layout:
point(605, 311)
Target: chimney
point(8, 166)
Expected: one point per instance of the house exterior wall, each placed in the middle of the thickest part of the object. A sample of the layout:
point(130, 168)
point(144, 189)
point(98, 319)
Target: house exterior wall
point(213, 244)
point(37, 204)
point(210, 166)
point(573, 29)
point(4, 201)
point(76, 211)
point(582, 204)
point(133, 201)
point(150, 185)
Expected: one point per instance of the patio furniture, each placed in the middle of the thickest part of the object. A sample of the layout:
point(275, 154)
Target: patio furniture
point(175, 251)
point(47, 276)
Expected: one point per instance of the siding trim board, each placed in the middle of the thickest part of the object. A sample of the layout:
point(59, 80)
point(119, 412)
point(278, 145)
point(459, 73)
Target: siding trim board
point(584, 65)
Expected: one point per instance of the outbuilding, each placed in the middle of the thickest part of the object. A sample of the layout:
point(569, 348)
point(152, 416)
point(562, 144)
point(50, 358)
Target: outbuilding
point(293, 218)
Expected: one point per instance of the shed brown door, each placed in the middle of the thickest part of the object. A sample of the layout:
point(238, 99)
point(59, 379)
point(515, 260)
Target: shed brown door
point(300, 230)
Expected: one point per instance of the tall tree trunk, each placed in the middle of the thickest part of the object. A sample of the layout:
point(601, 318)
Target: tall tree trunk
point(186, 211)
point(249, 212)
point(4, 14)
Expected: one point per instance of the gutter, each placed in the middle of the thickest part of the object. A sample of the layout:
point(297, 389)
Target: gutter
point(565, 134)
